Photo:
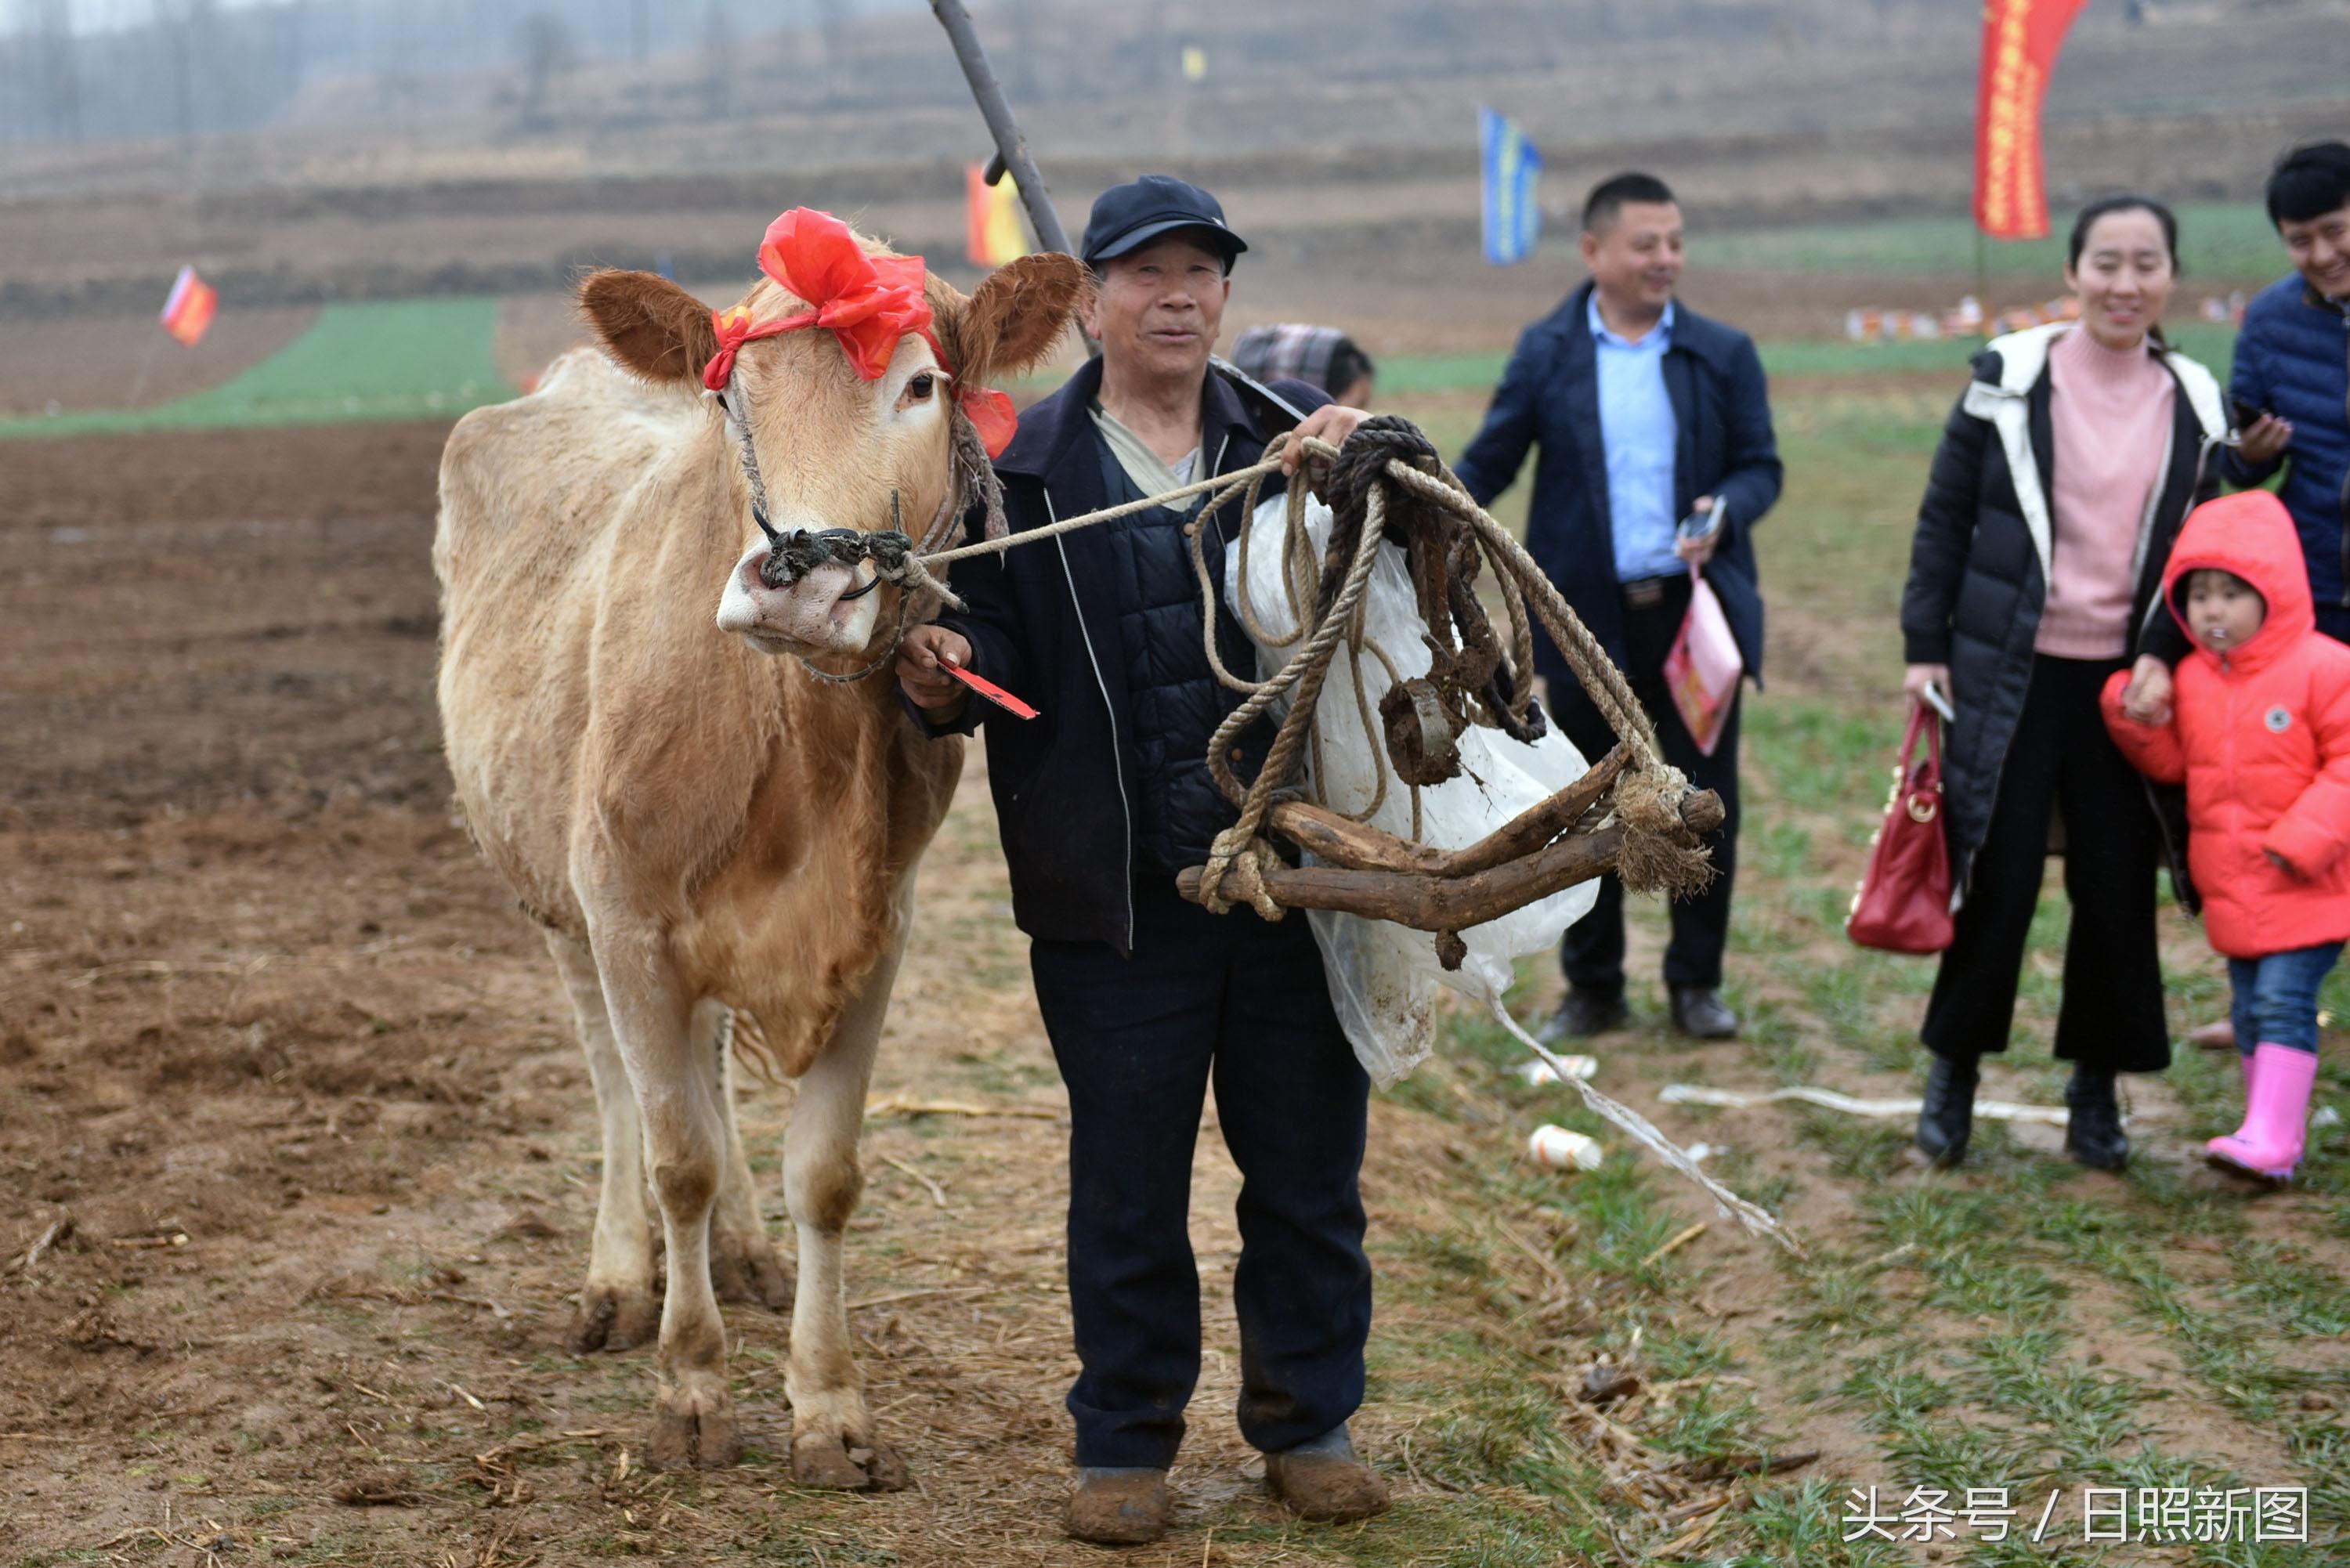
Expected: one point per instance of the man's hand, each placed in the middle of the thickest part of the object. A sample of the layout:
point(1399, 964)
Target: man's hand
point(1698, 551)
point(1332, 422)
point(2265, 441)
point(919, 676)
point(2147, 699)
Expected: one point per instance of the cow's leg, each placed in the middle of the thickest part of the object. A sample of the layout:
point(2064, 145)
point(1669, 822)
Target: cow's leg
point(616, 1309)
point(833, 1442)
point(743, 1266)
point(685, 1147)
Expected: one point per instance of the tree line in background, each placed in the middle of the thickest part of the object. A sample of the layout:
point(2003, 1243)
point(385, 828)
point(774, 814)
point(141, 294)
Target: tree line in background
point(196, 68)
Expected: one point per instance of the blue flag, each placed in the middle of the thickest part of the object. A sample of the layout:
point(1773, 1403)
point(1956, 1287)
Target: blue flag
point(1512, 166)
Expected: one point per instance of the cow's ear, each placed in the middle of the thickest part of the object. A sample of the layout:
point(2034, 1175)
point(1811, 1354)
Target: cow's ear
point(649, 323)
point(1016, 316)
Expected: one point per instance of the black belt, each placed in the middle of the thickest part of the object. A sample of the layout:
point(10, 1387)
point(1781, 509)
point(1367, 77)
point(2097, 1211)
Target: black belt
point(1647, 593)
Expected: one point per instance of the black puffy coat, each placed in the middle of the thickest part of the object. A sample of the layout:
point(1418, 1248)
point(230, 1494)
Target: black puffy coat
point(1979, 563)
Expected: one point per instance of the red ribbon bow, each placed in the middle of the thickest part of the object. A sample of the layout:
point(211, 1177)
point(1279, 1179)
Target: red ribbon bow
point(867, 302)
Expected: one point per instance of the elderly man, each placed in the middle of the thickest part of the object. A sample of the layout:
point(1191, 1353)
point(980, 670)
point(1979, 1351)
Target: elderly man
point(1657, 458)
point(1148, 998)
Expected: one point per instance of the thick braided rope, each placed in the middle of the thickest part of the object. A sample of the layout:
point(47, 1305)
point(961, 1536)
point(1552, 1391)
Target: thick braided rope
point(1239, 846)
point(1648, 798)
point(1223, 486)
point(1601, 680)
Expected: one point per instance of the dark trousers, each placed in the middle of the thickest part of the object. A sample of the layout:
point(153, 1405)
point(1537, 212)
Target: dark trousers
point(2062, 761)
point(1592, 952)
point(1231, 999)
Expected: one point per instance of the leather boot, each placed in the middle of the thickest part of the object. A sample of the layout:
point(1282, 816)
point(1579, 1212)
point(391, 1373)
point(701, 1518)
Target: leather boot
point(1699, 1012)
point(1325, 1481)
point(2093, 1131)
point(1119, 1505)
point(2276, 1113)
point(1947, 1120)
point(1583, 1014)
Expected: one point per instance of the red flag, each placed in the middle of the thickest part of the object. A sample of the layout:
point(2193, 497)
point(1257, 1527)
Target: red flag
point(2020, 41)
point(189, 311)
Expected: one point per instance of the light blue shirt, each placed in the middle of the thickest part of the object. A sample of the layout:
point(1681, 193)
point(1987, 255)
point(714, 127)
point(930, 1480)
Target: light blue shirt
point(1642, 437)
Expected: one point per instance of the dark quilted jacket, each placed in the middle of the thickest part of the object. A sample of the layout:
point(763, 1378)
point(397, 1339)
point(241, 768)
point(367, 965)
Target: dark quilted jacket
point(1177, 700)
point(2293, 359)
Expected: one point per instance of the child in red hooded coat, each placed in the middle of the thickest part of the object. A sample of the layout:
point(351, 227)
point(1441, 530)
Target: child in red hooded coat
point(2260, 736)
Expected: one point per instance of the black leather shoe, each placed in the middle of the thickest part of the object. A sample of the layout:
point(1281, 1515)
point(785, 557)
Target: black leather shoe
point(1948, 1117)
point(1584, 1013)
point(1699, 1012)
point(2093, 1132)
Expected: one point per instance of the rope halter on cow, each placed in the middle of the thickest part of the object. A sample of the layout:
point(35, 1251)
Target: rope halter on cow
point(870, 303)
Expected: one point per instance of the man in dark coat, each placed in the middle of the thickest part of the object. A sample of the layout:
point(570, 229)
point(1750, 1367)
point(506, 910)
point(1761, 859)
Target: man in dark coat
point(1100, 801)
point(2292, 372)
point(1657, 457)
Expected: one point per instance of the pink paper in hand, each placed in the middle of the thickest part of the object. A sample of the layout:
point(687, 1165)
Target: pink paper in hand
point(1704, 667)
point(991, 690)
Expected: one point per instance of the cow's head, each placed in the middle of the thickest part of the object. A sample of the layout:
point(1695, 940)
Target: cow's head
point(848, 420)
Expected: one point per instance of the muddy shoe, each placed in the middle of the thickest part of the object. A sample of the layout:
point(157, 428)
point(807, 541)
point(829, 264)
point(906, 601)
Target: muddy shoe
point(1324, 1480)
point(1119, 1507)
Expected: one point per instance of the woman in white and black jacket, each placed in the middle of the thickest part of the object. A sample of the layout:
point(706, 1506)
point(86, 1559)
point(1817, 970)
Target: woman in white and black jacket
point(2062, 479)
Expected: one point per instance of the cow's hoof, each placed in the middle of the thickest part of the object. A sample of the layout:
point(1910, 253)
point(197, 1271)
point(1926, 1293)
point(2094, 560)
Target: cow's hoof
point(749, 1271)
point(613, 1318)
point(691, 1433)
point(821, 1460)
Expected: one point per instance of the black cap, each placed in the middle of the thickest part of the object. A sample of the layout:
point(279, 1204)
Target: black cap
point(1128, 217)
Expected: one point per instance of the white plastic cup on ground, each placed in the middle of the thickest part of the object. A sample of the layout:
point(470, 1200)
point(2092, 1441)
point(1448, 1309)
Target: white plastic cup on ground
point(1539, 1072)
point(1555, 1149)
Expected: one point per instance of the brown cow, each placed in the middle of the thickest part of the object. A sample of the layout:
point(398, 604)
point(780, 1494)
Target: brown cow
point(717, 844)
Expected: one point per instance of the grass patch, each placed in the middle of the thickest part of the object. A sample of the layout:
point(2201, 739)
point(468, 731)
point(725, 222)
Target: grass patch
point(397, 360)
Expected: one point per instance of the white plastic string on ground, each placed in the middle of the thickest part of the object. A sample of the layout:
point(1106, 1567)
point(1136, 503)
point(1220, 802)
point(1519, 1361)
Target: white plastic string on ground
point(1752, 1215)
point(1851, 1105)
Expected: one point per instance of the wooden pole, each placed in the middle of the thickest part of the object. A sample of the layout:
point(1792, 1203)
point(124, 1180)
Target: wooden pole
point(1010, 145)
point(1982, 279)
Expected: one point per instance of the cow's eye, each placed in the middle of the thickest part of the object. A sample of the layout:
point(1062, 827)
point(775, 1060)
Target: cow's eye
point(918, 389)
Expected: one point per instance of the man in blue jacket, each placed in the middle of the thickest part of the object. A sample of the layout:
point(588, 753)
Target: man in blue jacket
point(1148, 999)
point(1657, 457)
point(2290, 380)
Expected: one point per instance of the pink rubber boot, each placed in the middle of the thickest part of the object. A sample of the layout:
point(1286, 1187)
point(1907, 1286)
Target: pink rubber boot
point(2276, 1113)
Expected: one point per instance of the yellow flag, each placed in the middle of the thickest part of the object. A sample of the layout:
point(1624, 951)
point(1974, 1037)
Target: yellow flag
point(992, 231)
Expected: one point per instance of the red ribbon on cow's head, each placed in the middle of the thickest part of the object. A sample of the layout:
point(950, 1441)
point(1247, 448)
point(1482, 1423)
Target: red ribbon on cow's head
point(867, 302)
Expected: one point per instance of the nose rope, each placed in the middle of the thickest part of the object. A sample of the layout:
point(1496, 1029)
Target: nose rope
point(793, 554)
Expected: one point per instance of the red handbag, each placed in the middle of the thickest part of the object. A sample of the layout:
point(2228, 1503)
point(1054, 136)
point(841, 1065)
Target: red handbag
point(1903, 905)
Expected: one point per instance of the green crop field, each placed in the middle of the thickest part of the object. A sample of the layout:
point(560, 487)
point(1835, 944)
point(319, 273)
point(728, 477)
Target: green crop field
point(2233, 242)
point(398, 359)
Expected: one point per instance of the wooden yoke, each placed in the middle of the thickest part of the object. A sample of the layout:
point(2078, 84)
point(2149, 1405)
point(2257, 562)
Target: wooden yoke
point(1383, 878)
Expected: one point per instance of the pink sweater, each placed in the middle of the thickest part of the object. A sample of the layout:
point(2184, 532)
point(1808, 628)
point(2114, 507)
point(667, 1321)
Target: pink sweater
point(2111, 416)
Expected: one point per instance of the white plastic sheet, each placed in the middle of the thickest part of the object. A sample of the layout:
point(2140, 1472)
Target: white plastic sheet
point(1383, 977)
